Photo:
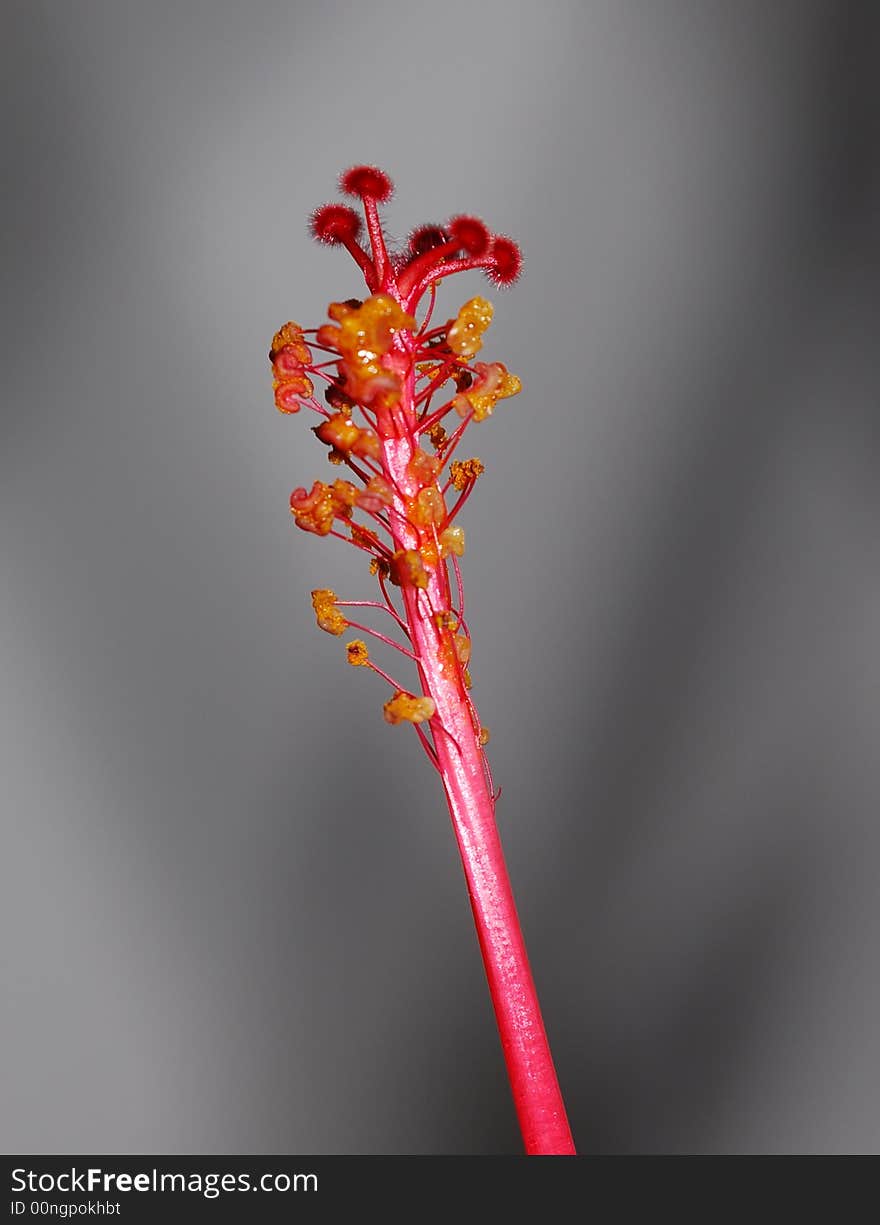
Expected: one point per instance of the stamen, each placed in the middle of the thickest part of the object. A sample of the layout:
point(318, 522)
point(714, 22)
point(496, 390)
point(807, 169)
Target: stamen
point(428, 747)
point(329, 618)
point(385, 677)
point(427, 423)
point(377, 545)
point(449, 736)
point(463, 471)
point(455, 438)
point(365, 629)
point(375, 604)
point(460, 501)
point(457, 568)
point(390, 603)
point(358, 655)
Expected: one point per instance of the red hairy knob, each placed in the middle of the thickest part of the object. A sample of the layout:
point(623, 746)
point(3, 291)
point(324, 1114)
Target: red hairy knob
point(335, 223)
point(426, 238)
point(366, 181)
point(470, 234)
point(506, 261)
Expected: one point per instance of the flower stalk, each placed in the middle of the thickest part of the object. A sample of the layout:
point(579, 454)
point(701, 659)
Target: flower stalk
point(391, 383)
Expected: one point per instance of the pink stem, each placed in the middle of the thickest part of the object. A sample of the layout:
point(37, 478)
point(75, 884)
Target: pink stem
point(536, 1093)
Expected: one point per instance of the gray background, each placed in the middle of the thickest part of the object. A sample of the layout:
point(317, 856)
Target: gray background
point(233, 918)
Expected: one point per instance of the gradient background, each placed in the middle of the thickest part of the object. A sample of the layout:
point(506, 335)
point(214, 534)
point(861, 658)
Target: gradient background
point(233, 917)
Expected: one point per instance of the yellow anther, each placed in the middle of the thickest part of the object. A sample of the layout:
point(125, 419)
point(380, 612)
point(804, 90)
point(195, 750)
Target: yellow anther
point(363, 338)
point(408, 569)
point(289, 356)
point(423, 468)
point(463, 648)
point(407, 708)
point(493, 383)
point(315, 510)
point(428, 507)
point(483, 738)
point(365, 537)
point(328, 615)
point(465, 334)
point(377, 494)
point(345, 495)
point(452, 541)
point(341, 433)
point(463, 471)
point(339, 310)
point(358, 655)
point(291, 334)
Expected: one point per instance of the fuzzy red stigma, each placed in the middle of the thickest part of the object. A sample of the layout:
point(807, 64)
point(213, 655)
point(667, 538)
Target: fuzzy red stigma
point(366, 182)
point(426, 238)
point(470, 234)
point(506, 261)
point(334, 224)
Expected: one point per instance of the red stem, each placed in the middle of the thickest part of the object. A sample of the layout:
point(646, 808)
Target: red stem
point(536, 1093)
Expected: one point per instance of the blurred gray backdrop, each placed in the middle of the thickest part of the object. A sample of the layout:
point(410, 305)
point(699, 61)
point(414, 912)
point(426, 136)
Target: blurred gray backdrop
point(233, 917)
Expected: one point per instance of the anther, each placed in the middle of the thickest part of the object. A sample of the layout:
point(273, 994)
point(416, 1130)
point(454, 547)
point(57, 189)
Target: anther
point(357, 654)
point(465, 335)
point(463, 471)
point(407, 708)
point(328, 616)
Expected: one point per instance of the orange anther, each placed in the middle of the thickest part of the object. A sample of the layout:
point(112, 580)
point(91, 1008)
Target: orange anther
point(463, 471)
point(465, 334)
point(407, 708)
point(328, 616)
point(493, 383)
point(358, 655)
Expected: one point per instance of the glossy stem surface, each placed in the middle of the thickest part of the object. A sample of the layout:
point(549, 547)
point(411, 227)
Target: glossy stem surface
point(530, 1068)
